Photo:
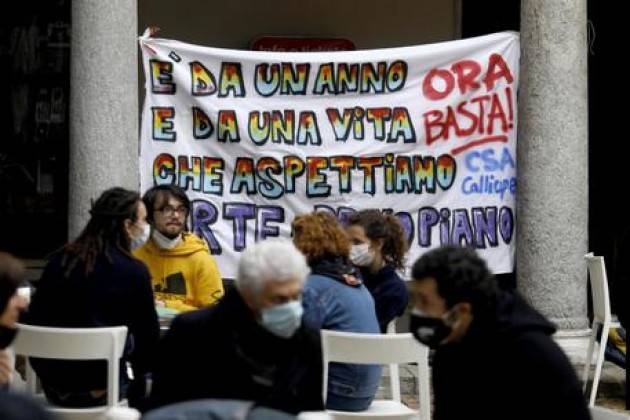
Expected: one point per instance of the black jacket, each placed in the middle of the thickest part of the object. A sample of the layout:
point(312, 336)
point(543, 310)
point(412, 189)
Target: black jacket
point(116, 293)
point(507, 367)
point(619, 285)
point(221, 352)
point(389, 293)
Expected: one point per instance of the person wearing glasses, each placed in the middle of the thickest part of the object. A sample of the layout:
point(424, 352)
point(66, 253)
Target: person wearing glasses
point(184, 274)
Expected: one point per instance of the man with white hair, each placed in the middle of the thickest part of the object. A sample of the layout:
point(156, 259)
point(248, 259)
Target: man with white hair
point(252, 344)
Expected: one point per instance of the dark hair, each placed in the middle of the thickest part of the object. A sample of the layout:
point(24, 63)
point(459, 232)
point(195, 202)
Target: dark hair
point(105, 229)
point(461, 276)
point(159, 194)
point(11, 273)
point(383, 226)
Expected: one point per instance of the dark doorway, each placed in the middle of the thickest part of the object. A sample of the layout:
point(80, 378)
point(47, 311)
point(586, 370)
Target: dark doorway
point(482, 18)
point(486, 17)
point(609, 226)
point(35, 67)
point(607, 150)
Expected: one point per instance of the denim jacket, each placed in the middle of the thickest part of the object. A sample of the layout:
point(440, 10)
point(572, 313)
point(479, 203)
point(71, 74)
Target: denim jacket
point(332, 304)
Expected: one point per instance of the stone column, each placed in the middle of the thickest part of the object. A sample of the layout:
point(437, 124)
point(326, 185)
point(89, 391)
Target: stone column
point(552, 205)
point(103, 103)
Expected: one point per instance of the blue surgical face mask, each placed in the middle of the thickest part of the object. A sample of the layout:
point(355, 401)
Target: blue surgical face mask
point(138, 241)
point(283, 320)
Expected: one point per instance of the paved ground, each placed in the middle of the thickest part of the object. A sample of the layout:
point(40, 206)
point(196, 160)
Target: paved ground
point(612, 388)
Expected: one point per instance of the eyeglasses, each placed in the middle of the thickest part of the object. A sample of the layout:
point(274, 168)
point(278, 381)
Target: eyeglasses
point(170, 210)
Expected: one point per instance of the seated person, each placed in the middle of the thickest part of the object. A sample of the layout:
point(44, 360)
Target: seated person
point(378, 249)
point(494, 357)
point(251, 345)
point(94, 281)
point(335, 299)
point(11, 304)
point(184, 274)
point(616, 346)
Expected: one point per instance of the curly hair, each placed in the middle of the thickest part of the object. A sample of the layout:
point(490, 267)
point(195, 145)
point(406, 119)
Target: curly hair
point(461, 276)
point(318, 235)
point(383, 226)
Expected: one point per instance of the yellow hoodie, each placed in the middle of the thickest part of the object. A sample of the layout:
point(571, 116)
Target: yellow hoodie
point(185, 277)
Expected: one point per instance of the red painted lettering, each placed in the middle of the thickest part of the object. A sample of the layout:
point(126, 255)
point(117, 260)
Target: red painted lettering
point(428, 87)
point(466, 72)
point(497, 69)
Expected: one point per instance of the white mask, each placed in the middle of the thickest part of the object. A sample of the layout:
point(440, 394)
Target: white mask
point(361, 255)
point(163, 242)
point(138, 241)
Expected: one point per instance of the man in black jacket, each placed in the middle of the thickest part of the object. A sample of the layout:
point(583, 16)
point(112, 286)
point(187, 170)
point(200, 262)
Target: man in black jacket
point(252, 344)
point(494, 355)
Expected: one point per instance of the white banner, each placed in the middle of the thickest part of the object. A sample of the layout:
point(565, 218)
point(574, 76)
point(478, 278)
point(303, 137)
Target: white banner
point(255, 138)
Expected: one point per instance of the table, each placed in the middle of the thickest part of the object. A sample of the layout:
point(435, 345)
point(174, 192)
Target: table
point(165, 317)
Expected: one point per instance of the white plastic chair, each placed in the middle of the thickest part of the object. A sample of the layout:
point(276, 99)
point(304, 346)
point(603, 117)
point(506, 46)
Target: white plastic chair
point(394, 375)
point(314, 415)
point(121, 413)
point(345, 347)
point(74, 344)
point(601, 316)
point(601, 413)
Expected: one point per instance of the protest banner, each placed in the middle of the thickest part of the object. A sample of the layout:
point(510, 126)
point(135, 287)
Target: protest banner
point(425, 132)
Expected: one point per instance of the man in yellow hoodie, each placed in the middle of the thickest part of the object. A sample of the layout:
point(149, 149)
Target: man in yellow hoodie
point(184, 274)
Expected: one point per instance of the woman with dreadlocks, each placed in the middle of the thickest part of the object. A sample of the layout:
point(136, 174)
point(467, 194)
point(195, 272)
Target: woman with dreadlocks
point(94, 281)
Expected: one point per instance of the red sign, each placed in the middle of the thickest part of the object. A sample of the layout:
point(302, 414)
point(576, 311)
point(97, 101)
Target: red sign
point(299, 44)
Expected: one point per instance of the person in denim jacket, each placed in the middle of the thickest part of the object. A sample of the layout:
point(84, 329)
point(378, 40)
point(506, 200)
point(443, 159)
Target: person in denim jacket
point(334, 298)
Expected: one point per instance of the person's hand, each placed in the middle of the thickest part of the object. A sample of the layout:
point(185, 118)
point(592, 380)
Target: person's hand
point(160, 303)
point(5, 367)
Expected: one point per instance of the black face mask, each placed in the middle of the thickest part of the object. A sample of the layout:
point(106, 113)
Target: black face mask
point(428, 330)
point(6, 336)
